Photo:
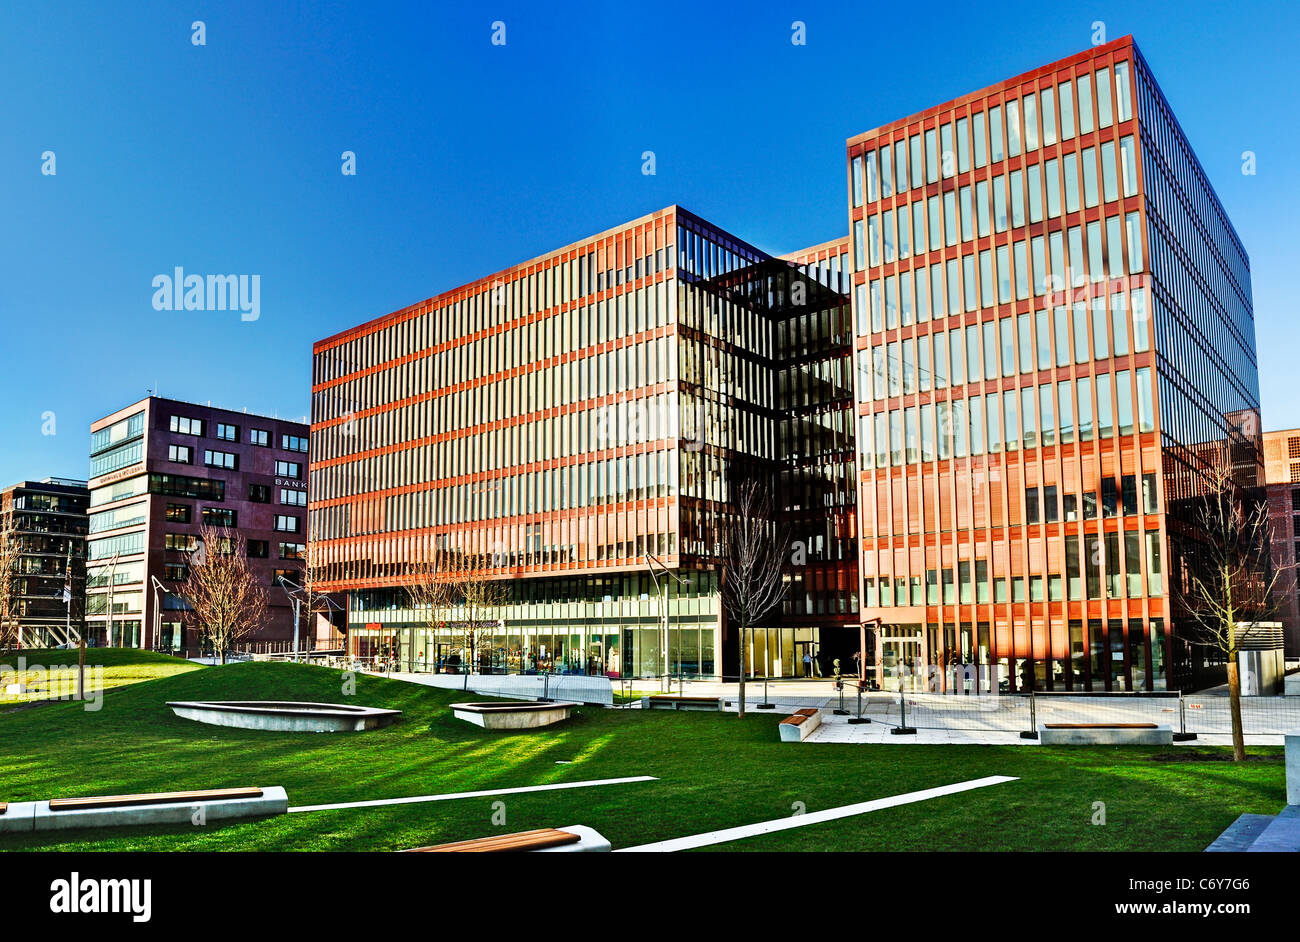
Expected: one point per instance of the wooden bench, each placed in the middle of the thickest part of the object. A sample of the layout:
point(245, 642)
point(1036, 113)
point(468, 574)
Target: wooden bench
point(151, 798)
point(4, 806)
point(797, 727)
point(1105, 734)
point(661, 701)
point(547, 840)
point(149, 808)
point(1101, 725)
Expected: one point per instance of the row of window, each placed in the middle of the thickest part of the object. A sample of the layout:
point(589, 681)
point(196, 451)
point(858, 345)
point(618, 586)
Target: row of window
point(1030, 122)
point(1011, 346)
point(629, 478)
point(989, 424)
point(899, 232)
point(952, 287)
point(1094, 569)
point(183, 425)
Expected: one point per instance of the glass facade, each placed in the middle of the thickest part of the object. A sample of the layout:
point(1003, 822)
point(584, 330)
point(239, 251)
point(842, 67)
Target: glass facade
point(1073, 315)
point(581, 416)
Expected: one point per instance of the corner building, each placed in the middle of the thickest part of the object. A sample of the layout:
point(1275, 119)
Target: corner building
point(159, 470)
point(576, 423)
point(1053, 325)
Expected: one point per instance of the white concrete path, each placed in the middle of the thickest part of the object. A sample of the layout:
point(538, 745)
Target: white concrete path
point(727, 835)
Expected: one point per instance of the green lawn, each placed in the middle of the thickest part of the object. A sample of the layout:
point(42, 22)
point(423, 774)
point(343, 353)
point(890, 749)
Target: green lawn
point(121, 666)
point(714, 771)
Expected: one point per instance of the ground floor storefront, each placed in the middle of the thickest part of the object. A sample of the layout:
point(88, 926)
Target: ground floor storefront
point(1118, 655)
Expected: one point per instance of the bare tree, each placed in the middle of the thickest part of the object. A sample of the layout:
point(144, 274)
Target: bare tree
point(430, 589)
point(10, 552)
point(479, 597)
point(226, 601)
point(753, 556)
point(1230, 580)
point(313, 601)
point(455, 597)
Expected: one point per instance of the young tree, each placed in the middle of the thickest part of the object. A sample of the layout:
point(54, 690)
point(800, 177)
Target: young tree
point(1229, 579)
point(226, 601)
point(430, 589)
point(479, 597)
point(753, 556)
point(10, 550)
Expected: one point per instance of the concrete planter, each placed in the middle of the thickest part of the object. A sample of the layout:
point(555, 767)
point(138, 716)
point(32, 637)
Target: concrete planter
point(284, 715)
point(512, 715)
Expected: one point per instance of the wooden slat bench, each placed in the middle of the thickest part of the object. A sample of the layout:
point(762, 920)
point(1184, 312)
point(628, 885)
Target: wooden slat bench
point(1101, 725)
point(571, 838)
point(798, 726)
point(662, 701)
point(151, 798)
point(148, 808)
point(1104, 734)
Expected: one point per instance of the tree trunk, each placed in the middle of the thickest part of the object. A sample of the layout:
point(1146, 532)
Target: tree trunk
point(1234, 701)
point(740, 698)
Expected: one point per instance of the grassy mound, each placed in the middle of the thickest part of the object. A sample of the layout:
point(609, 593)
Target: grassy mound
point(48, 671)
point(714, 771)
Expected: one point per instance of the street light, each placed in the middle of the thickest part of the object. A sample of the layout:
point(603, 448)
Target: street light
point(157, 608)
point(663, 600)
point(295, 593)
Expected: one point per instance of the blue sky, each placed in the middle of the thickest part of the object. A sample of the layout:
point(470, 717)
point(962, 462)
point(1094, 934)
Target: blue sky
point(225, 158)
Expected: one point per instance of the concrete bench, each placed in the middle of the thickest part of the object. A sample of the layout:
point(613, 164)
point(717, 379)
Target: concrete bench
point(180, 807)
point(662, 701)
point(1105, 734)
point(573, 838)
point(798, 727)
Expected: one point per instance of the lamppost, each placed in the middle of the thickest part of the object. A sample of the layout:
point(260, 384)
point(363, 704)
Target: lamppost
point(662, 589)
point(295, 592)
point(157, 608)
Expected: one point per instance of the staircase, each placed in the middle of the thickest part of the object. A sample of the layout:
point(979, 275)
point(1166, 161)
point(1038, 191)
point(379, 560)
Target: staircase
point(1263, 833)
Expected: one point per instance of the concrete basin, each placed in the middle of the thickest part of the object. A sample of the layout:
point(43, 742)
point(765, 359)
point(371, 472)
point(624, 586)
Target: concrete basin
point(527, 714)
point(288, 716)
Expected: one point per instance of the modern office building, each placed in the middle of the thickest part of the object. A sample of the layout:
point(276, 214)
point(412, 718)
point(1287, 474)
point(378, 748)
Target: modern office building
point(1050, 329)
point(1282, 481)
point(158, 470)
point(49, 526)
point(576, 422)
point(1054, 328)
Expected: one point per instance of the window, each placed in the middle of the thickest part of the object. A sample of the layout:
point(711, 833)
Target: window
point(292, 497)
point(181, 425)
point(292, 550)
point(178, 513)
point(219, 517)
point(259, 493)
point(181, 454)
point(287, 469)
point(227, 433)
point(258, 549)
point(221, 459)
point(176, 572)
point(180, 542)
point(259, 436)
point(286, 524)
point(293, 443)
point(857, 180)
